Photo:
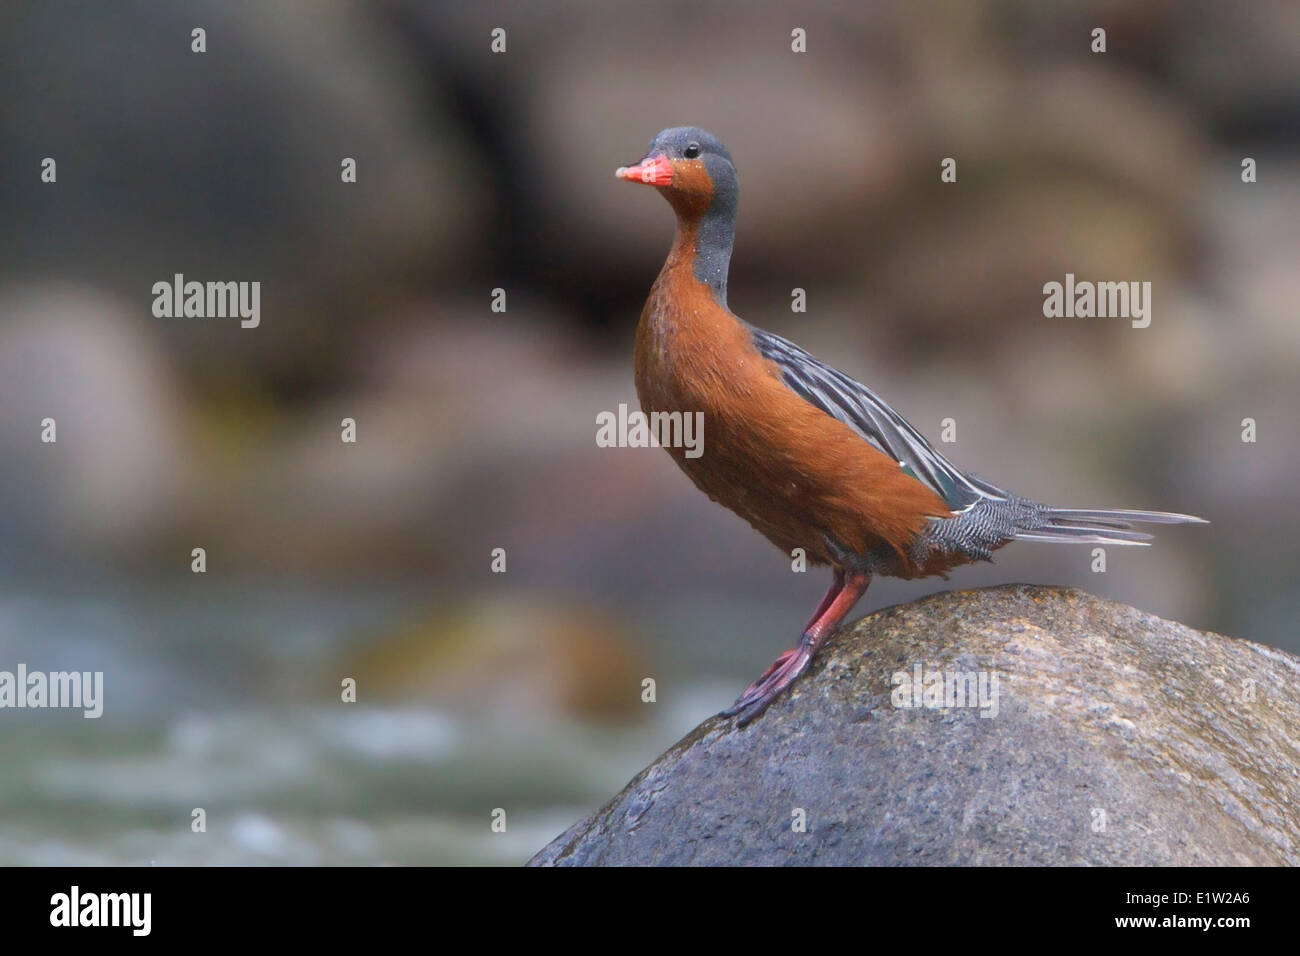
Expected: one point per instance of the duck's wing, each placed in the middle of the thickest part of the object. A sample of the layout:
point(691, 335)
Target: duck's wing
point(984, 515)
point(860, 408)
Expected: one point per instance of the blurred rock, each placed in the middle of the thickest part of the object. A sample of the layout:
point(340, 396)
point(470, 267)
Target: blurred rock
point(1241, 65)
point(115, 474)
point(1117, 738)
point(511, 658)
point(225, 165)
point(1044, 188)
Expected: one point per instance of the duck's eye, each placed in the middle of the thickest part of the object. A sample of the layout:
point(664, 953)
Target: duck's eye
point(691, 151)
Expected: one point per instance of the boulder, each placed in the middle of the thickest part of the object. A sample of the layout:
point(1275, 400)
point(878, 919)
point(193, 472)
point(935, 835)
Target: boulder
point(1014, 725)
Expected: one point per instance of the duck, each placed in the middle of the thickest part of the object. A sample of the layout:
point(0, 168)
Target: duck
point(812, 459)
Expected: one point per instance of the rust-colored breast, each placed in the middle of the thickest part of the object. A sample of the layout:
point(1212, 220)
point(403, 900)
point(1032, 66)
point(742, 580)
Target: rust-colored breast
point(793, 472)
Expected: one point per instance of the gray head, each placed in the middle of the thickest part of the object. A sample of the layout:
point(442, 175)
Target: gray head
point(693, 170)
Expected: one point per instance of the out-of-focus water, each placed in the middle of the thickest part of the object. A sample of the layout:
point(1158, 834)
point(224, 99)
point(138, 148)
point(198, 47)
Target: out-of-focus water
point(234, 707)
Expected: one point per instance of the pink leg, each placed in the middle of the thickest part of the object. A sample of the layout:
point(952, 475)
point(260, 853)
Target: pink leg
point(836, 605)
point(831, 594)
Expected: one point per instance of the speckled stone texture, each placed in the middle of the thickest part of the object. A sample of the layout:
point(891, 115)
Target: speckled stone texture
point(1119, 738)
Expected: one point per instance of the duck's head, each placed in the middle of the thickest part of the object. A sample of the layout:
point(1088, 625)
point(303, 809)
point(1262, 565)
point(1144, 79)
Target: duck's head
point(692, 169)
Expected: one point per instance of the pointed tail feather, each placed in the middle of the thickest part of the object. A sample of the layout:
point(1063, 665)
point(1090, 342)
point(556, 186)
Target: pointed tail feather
point(1121, 518)
point(1066, 534)
point(1105, 526)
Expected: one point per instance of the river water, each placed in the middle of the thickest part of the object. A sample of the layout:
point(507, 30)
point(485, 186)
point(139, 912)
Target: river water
point(231, 707)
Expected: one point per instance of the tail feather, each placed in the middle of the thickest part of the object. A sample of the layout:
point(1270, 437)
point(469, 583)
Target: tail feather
point(1068, 534)
point(1099, 526)
point(1121, 518)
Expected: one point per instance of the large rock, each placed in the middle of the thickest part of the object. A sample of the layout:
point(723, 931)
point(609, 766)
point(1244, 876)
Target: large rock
point(1116, 738)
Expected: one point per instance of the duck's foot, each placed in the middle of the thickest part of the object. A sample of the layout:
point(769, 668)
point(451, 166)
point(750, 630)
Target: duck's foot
point(771, 684)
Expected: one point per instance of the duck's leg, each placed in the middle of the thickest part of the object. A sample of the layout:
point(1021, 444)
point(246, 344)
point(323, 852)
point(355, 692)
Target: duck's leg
point(837, 585)
point(844, 593)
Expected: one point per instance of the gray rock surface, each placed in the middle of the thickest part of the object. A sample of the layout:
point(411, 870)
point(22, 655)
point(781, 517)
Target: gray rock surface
point(1116, 738)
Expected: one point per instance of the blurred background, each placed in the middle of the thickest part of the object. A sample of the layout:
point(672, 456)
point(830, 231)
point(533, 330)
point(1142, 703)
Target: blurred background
point(476, 429)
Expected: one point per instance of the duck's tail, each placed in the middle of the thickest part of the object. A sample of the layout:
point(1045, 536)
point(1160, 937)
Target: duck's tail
point(1086, 526)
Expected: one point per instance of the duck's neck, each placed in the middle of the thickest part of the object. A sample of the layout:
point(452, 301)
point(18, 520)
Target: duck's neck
point(704, 243)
